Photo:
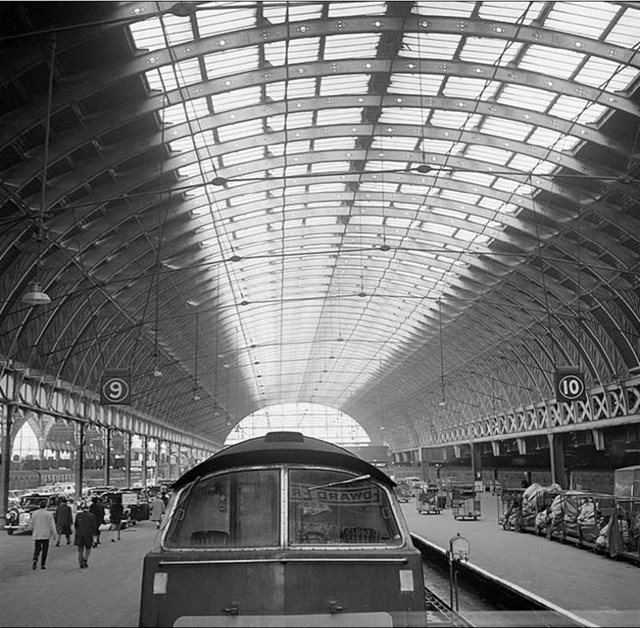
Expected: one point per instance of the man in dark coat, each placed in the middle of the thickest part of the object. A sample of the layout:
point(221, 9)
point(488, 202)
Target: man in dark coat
point(86, 526)
point(64, 520)
point(98, 510)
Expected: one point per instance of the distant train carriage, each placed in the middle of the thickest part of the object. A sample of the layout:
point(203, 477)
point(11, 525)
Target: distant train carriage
point(283, 530)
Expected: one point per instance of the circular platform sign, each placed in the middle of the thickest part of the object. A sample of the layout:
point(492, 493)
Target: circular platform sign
point(570, 387)
point(115, 388)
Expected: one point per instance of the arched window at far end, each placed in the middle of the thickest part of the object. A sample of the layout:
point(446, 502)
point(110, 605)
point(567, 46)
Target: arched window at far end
point(310, 419)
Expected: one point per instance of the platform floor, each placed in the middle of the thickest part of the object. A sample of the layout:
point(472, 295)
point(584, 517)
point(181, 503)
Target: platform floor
point(602, 591)
point(598, 589)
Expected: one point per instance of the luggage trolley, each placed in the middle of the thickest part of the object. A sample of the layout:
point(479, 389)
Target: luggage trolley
point(427, 502)
point(465, 501)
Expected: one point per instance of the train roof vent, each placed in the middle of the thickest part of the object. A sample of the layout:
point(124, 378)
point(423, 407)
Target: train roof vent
point(284, 437)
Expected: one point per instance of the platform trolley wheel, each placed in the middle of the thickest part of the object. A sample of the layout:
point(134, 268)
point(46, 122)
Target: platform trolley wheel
point(9, 532)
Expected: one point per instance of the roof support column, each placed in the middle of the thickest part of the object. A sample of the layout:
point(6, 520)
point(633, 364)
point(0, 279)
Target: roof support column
point(476, 460)
point(127, 443)
point(106, 438)
point(79, 437)
point(556, 456)
point(143, 462)
point(7, 438)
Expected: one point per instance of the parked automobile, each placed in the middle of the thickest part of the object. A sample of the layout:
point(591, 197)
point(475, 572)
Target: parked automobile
point(18, 518)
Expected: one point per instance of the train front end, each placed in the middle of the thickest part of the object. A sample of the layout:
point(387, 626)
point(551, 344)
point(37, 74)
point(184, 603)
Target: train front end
point(307, 534)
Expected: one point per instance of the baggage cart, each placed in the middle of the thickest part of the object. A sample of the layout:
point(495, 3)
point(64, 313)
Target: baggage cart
point(427, 502)
point(465, 502)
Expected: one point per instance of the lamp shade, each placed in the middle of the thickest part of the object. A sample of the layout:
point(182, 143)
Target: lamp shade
point(35, 295)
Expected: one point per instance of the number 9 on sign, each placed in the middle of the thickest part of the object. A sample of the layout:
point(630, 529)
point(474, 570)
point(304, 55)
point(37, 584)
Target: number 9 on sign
point(115, 389)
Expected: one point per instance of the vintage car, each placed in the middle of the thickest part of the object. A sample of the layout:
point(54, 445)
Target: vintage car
point(18, 518)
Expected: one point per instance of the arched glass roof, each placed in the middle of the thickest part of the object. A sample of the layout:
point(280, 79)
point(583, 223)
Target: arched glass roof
point(376, 206)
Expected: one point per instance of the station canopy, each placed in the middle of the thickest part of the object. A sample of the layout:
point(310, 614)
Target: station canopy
point(411, 212)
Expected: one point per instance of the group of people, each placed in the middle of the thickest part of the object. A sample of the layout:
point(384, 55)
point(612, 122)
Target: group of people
point(47, 525)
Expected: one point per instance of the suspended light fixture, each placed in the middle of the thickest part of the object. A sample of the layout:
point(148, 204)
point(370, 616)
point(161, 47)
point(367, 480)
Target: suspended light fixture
point(35, 295)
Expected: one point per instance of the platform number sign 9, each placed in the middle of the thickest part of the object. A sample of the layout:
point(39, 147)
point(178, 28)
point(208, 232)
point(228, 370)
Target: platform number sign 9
point(570, 386)
point(115, 388)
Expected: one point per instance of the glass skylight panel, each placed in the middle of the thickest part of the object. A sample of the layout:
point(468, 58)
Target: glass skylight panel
point(334, 143)
point(320, 188)
point(604, 74)
point(489, 51)
point(400, 223)
point(450, 213)
point(251, 128)
point(461, 197)
point(183, 144)
point(438, 228)
point(246, 199)
point(470, 236)
point(242, 156)
point(279, 12)
point(320, 221)
point(551, 61)
point(439, 147)
point(169, 78)
point(395, 142)
point(454, 119)
point(299, 51)
point(462, 8)
point(184, 111)
point(625, 32)
point(243, 97)
point(513, 11)
point(249, 232)
point(430, 45)
point(293, 121)
point(505, 185)
point(545, 137)
point(475, 178)
point(221, 21)
point(344, 9)
point(351, 46)
point(587, 19)
point(231, 62)
point(420, 190)
point(463, 87)
point(339, 116)
point(577, 110)
point(421, 85)
point(524, 163)
point(148, 34)
point(489, 154)
point(293, 148)
point(342, 85)
point(541, 168)
point(404, 115)
point(526, 97)
point(506, 128)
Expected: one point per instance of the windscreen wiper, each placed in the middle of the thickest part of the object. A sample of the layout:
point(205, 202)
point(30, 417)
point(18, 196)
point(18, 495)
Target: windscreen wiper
point(349, 481)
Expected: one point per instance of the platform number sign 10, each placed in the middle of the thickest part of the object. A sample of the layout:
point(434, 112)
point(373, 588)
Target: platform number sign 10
point(570, 386)
point(115, 388)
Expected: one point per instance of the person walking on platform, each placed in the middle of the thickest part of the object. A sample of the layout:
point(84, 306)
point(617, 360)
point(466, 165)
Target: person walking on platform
point(98, 510)
point(86, 526)
point(157, 510)
point(115, 516)
point(64, 520)
point(43, 527)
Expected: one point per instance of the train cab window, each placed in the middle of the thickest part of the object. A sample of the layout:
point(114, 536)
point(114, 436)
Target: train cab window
point(339, 508)
point(237, 509)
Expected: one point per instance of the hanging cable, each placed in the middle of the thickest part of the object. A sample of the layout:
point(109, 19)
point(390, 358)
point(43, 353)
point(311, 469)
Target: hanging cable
point(442, 398)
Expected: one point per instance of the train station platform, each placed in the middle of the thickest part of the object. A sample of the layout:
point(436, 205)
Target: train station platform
point(600, 590)
point(595, 588)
